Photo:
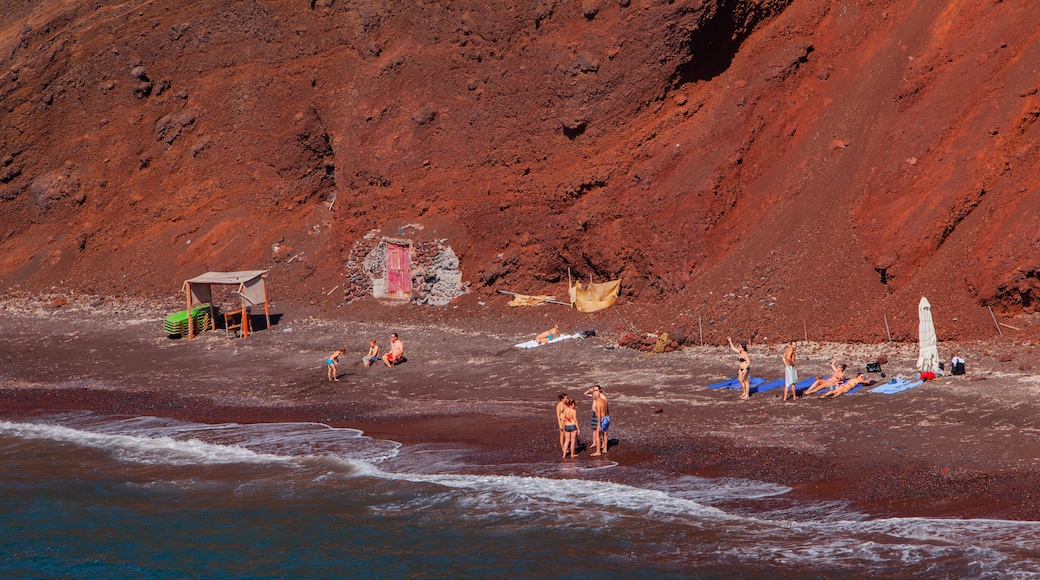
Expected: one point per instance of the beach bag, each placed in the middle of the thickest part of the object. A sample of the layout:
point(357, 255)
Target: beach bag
point(873, 367)
point(958, 369)
point(927, 376)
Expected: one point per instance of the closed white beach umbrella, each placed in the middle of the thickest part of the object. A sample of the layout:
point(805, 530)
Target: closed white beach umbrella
point(929, 359)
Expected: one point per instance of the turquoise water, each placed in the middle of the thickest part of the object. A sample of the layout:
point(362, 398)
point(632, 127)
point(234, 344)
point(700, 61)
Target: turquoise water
point(113, 497)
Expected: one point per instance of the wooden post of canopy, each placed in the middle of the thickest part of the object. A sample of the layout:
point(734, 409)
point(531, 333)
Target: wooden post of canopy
point(187, 298)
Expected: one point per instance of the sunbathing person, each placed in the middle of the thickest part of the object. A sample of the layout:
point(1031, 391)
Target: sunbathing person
point(548, 335)
point(396, 354)
point(860, 379)
point(834, 380)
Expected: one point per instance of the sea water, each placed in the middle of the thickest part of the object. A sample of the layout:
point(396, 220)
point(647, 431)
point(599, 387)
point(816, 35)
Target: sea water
point(83, 495)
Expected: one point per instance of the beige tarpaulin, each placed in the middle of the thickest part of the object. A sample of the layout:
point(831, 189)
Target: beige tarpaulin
point(249, 285)
point(525, 300)
point(595, 297)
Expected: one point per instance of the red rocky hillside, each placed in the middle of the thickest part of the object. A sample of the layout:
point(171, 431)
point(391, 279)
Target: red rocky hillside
point(771, 166)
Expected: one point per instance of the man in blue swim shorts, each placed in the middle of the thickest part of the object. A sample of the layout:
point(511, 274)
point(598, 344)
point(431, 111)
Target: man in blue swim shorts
point(600, 419)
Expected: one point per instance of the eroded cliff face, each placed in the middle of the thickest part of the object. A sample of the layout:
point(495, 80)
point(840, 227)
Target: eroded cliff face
point(769, 166)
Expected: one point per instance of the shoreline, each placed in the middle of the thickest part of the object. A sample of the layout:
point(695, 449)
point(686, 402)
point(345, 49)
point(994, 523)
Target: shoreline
point(951, 448)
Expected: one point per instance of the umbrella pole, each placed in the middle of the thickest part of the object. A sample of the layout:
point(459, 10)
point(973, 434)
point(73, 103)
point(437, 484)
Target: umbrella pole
point(995, 323)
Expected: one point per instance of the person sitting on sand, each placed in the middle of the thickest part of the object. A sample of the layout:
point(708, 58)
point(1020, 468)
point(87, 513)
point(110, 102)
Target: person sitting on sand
point(373, 353)
point(331, 363)
point(570, 426)
point(547, 336)
point(834, 380)
point(600, 421)
point(396, 354)
point(860, 379)
point(559, 419)
point(743, 369)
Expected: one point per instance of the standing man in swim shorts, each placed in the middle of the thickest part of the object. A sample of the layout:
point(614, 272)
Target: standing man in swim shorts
point(790, 372)
point(600, 421)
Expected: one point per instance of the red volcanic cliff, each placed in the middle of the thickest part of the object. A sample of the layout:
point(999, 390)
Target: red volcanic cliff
point(764, 164)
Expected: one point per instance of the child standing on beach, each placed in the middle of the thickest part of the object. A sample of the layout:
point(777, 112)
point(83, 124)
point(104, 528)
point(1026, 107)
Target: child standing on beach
point(331, 363)
point(373, 353)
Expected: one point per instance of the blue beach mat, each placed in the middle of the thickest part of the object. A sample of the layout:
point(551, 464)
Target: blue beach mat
point(774, 384)
point(735, 384)
point(804, 384)
point(896, 386)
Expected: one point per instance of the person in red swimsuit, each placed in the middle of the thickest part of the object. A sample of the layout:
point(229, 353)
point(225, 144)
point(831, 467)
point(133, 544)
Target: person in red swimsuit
point(396, 354)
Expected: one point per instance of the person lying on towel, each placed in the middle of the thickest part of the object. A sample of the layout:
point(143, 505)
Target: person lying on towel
point(860, 379)
point(836, 379)
point(548, 335)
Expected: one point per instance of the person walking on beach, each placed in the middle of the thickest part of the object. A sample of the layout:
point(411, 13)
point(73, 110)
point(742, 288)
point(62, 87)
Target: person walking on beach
point(600, 421)
point(373, 353)
point(560, 406)
point(743, 368)
point(331, 363)
point(570, 426)
point(790, 372)
point(396, 354)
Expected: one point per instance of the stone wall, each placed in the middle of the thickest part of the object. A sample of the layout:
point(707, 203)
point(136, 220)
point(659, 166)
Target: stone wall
point(435, 273)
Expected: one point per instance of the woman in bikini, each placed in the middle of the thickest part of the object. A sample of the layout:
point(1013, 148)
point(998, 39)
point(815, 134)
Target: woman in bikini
point(836, 379)
point(570, 426)
point(548, 335)
point(743, 369)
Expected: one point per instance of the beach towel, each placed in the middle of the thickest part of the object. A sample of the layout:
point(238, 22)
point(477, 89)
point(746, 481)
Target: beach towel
point(735, 384)
point(534, 343)
point(774, 384)
point(803, 384)
point(896, 386)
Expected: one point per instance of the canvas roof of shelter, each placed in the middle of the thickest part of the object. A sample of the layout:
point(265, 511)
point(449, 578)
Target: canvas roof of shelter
point(226, 277)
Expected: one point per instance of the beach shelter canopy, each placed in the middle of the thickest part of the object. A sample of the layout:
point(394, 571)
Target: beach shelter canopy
point(595, 297)
point(249, 285)
point(929, 358)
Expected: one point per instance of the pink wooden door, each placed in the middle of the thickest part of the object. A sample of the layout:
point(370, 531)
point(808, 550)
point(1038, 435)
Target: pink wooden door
point(398, 272)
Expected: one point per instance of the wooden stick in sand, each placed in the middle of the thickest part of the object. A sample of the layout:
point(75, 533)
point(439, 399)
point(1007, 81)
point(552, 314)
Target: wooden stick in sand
point(887, 331)
point(805, 329)
point(995, 323)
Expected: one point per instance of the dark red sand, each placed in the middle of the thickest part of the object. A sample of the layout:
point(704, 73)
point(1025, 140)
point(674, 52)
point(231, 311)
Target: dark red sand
point(952, 447)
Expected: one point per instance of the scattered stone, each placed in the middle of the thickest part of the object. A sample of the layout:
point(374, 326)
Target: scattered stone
point(58, 302)
point(590, 8)
point(106, 86)
point(162, 86)
point(587, 62)
point(658, 410)
point(372, 48)
point(1025, 367)
point(838, 144)
point(424, 115)
point(882, 359)
point(10, 173)
point(141, 89)
point(976, 378)
point(139, 73)
point(823, 75)
point(169, 126)
point(679, 99)
point(1005, 357)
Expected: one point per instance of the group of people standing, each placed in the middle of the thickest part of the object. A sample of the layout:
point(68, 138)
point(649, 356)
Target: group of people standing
point(837, 381)
point(394, 357)
point(567, 420)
